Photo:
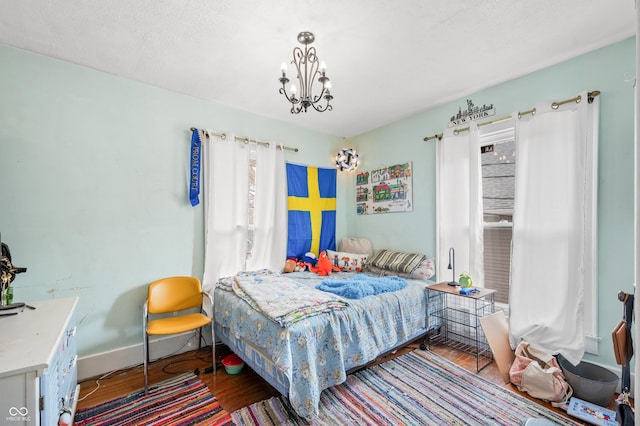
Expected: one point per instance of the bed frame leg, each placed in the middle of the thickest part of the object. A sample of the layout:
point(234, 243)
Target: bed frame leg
point(423, 345)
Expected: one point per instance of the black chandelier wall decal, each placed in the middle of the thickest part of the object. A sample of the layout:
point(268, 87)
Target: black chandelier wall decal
point(309, 69)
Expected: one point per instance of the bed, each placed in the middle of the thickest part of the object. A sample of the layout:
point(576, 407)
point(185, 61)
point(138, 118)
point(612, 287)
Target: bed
point(316, 351)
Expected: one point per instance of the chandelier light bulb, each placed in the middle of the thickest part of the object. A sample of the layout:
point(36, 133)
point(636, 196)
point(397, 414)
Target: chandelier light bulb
point(323, 67)
point(283, 68)
point(293, 89)
point(327, 84)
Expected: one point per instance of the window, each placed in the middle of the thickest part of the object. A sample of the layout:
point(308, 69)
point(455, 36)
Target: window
point(252, 201)
point(498, 163)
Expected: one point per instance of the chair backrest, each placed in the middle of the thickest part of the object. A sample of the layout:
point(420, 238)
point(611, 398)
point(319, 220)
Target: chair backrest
point(174, 294)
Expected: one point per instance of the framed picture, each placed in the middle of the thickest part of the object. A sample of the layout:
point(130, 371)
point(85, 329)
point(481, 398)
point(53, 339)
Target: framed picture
point(384, 190)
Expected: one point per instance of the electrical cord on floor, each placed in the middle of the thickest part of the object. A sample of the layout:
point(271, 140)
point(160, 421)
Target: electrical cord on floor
point(196, 371)
point(104, 376)
point(206, 350)
point(165, 368)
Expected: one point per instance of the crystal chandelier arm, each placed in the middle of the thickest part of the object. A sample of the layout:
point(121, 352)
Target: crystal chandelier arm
point(327, 96)
point(298, 61)
point(291, 98)
point(307, 65)
point(327, 107)
point(283, 90)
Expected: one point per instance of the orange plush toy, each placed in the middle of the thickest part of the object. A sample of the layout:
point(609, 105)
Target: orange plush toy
point(324, 266)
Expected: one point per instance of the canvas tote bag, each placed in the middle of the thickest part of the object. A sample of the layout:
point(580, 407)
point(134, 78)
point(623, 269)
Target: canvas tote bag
point(536, 372)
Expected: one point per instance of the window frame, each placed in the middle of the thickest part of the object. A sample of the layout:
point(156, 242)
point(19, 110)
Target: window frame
point(503, 133)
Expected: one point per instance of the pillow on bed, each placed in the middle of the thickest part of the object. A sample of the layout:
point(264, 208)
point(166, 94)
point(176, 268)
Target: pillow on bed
point(356, 245)
point(347, 261)
point(423, 272)
point(397, 261)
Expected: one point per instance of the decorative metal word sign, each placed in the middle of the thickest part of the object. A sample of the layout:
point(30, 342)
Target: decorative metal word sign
point(473, 112)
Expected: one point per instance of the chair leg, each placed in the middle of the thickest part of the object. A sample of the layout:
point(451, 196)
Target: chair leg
point(145, 346)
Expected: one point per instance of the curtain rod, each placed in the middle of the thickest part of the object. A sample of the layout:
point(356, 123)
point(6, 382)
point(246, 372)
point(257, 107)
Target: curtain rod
point(554, 105)
point(247, 140)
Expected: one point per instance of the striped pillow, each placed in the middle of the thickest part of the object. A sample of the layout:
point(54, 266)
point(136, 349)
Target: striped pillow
point(397, 261)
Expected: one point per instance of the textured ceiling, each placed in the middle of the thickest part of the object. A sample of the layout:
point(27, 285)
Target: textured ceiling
point(387, 59)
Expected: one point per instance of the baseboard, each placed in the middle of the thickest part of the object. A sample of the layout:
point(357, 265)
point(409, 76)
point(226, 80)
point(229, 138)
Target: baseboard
point(99, 364)
point(591, 344)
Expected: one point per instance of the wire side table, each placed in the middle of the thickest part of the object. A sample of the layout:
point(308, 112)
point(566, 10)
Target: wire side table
point(458, 320)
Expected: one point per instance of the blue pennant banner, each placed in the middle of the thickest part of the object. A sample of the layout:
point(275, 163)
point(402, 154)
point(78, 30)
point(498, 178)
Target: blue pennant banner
point(194, 160)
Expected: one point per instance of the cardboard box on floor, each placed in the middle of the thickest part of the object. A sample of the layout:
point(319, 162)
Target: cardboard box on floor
point(496, 330)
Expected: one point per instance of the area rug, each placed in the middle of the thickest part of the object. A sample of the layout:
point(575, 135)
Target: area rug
point(418, 388)
point(182, 400)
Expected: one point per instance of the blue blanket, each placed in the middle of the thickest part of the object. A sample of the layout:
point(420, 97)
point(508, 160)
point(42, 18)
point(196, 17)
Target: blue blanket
point(361, 285)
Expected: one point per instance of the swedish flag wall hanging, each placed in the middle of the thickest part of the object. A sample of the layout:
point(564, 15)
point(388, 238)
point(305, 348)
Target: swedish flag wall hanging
point(312, 210)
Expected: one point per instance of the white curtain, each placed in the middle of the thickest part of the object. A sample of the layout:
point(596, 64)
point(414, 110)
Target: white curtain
point(226, 171)
point(459, 205)
point(554, 234)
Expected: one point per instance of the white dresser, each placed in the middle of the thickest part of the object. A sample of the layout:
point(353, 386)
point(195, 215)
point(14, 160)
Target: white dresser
point(38, 363)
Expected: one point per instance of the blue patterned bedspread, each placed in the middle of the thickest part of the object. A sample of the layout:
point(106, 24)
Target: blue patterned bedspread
point(281, 299)
point(316, 352)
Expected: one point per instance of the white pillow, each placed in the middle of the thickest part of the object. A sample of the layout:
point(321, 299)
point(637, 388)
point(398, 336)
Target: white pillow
point(424, 271)
point(356, 245)
point(347, 261)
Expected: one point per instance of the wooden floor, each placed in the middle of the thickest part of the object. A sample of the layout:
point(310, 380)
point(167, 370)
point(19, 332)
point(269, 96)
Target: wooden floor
point(240, 390)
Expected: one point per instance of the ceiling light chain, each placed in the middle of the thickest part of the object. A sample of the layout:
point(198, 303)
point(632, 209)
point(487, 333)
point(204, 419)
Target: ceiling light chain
point(308, 68)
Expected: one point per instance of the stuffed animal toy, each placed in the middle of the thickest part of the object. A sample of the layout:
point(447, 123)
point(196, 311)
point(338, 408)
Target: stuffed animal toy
point(308, 261)
point(309, 258)
point(324, 265)
point(290, 266)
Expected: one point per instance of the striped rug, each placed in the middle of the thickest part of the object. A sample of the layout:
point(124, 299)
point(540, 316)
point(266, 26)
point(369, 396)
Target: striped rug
point(418, 388)
point(182, 400)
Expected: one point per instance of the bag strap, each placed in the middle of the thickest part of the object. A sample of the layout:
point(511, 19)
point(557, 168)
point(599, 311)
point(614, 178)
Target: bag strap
point(628, 318)
point(567, 397)
point(543, 364)
point(528, 354)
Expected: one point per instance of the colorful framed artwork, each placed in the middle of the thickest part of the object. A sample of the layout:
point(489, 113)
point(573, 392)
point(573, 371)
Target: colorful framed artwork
point(384, 190)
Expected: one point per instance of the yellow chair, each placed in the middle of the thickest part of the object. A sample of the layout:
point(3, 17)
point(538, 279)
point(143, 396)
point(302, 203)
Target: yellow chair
point(175, 295)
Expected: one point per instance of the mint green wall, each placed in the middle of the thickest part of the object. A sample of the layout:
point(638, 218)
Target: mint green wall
point(93, 186)
point(604, 70)
point(93, 180)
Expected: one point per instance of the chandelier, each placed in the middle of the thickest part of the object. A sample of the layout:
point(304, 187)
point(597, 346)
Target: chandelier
point(309, 70)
